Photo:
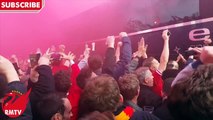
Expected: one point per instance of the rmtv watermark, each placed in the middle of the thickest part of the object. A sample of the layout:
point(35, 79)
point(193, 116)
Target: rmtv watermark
point(21, 5)
point(15, 103)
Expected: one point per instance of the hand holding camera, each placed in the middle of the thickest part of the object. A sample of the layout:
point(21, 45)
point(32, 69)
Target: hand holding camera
point(34, 59)
point(193, 51)
point(37, 59)
point(166, 34)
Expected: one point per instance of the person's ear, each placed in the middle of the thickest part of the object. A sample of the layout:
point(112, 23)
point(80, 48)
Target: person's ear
point(138, 91)
point(146, 81)
point(121, 98)
point(57, 116)
point(152, 67)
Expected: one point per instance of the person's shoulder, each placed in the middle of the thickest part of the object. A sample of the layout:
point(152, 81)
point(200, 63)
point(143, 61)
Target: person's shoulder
point(142, 115)
point(157, 73)
point(17, 86)
point(124, 112)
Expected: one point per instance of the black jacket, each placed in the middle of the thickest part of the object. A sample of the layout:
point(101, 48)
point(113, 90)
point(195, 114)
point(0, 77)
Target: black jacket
point(44, 86)
point(148, 98)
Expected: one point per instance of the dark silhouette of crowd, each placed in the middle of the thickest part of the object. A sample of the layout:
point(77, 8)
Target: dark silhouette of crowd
point(120, 85)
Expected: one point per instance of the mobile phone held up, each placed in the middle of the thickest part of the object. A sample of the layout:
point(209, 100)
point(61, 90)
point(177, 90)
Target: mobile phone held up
point(168, 33)
point(34, 59)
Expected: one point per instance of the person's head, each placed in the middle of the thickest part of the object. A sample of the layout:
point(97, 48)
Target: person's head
point(61, 48)
point(172, 65)
point(83, 77)
point(54, 107)
point(100, 94)
point(95, 62)
point(62, 81)
point(129, 86)
point(99, 116)
point(68, 107)
point(192, 99)
point(145, 76)
point(52, 48)
point(151, 62)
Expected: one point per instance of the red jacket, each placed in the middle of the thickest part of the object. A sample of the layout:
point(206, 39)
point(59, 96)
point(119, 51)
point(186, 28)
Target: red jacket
point(74, 92)
point(158, 83)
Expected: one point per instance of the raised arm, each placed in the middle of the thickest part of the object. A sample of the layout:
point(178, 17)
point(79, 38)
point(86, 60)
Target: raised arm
point(118, 51)
point(138, 56)
point(206, 57)
point(74, 67)
point(14, 84)
point(126, 48)
point(110, 66)
point(110, 59)
point(41, 78)
point(7, 69)
point(84, 61)
point(165, 53)
point(125, 56)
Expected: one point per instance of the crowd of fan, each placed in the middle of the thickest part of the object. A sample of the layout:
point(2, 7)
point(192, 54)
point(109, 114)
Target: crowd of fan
point(121, 86)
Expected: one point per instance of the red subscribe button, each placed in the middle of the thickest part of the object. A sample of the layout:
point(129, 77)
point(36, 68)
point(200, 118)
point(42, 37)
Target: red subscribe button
point(21, 5)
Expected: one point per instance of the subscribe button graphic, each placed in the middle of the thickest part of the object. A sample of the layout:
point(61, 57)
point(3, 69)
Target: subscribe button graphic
point(21, 5)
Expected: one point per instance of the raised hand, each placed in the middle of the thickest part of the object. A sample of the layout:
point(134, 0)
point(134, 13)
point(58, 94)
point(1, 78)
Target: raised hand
point(45, 59)
point(207, 41)
point(123, 34)
point(110, 41)
point(5, 65)
point(86, 52)
point(119, 44)
point(142, 47)
point(7, 69)
point(93, 46)
point(70, 56)
point(165, 35)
